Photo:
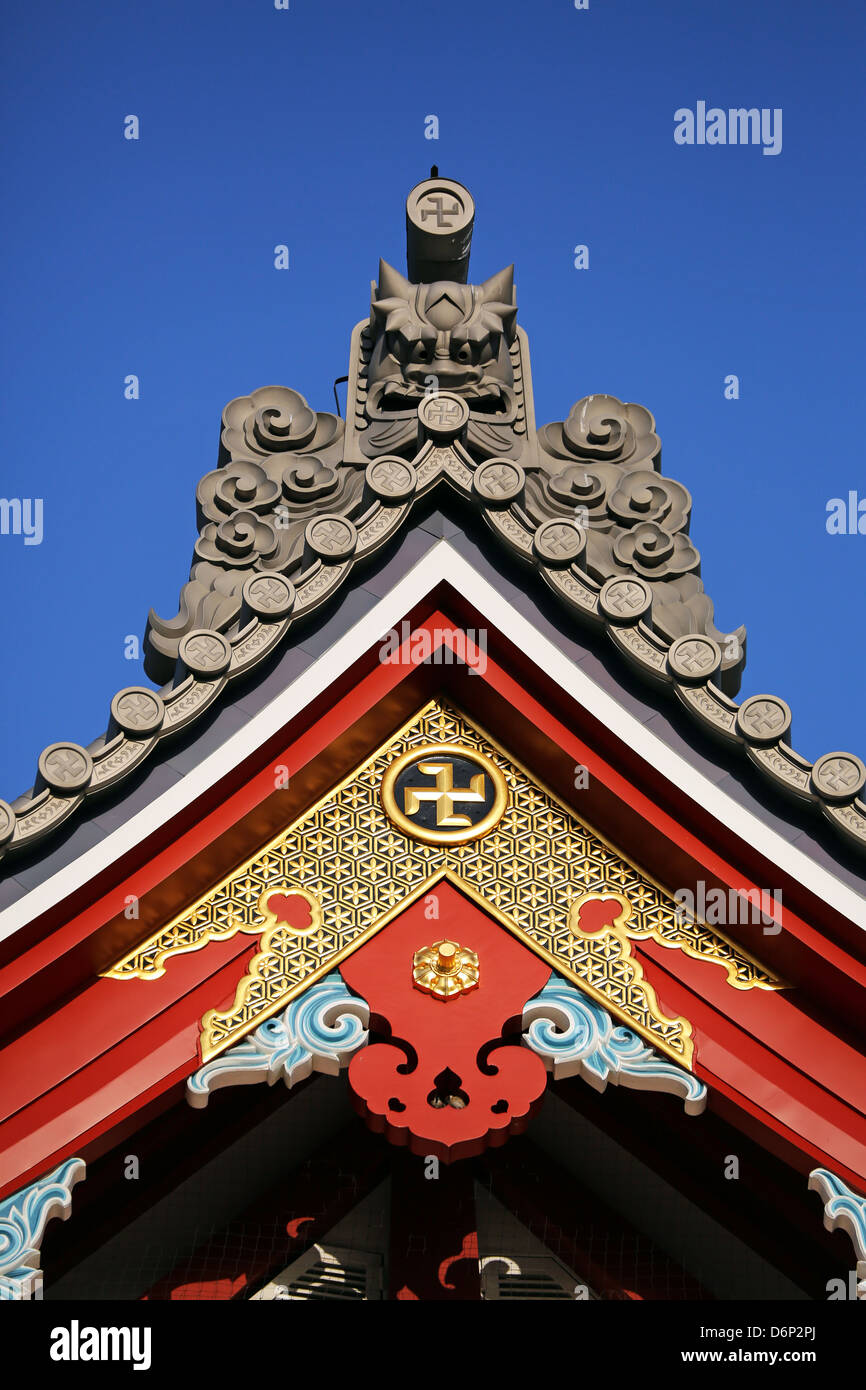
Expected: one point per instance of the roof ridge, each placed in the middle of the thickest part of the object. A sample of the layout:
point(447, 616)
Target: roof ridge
point(208, 660)
point(439, 394)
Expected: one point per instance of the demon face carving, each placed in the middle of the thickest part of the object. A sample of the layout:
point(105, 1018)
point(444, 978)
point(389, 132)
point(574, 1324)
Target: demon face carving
point(442, 337)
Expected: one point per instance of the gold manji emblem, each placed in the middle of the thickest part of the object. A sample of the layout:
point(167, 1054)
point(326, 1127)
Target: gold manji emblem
point(444, 794)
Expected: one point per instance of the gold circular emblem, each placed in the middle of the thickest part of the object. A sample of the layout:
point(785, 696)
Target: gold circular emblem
point(444, 794)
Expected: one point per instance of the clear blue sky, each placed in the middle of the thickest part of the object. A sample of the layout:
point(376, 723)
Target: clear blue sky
point(306, 127)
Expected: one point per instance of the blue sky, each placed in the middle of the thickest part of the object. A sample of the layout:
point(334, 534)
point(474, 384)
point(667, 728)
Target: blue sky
point(306, 127)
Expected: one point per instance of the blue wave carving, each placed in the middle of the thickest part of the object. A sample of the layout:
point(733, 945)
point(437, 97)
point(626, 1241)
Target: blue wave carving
point(23, 1218)
point(577, 1037)
point(844, 1210)
point(318, 1031)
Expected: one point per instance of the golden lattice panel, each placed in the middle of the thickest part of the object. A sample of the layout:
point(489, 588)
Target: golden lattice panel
point(348, 856)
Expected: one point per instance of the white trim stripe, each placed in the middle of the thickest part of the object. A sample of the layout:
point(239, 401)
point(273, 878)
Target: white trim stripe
point(440, 563)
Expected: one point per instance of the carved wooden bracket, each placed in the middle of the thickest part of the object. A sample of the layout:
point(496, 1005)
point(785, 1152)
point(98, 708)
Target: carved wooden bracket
point(436, 1075)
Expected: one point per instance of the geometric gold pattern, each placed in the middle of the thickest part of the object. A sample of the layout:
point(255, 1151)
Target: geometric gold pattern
point(353, 863)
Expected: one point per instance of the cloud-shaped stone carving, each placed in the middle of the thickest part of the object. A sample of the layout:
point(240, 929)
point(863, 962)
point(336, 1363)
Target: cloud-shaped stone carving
point(241, 486)
point(644, 496)
point(275, 419)
point(241, 541)
point(606, 429)
point(652, 551)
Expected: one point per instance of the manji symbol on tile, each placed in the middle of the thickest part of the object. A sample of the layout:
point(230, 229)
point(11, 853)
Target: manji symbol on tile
point(355, 866)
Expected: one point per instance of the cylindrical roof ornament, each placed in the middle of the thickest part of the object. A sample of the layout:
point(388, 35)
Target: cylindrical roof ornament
point(439, 218)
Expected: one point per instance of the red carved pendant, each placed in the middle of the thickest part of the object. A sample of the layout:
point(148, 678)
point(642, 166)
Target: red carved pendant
point(442, 1084)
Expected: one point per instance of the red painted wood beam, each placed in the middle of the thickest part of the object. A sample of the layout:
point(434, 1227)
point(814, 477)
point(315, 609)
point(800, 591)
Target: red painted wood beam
point(377, 702)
